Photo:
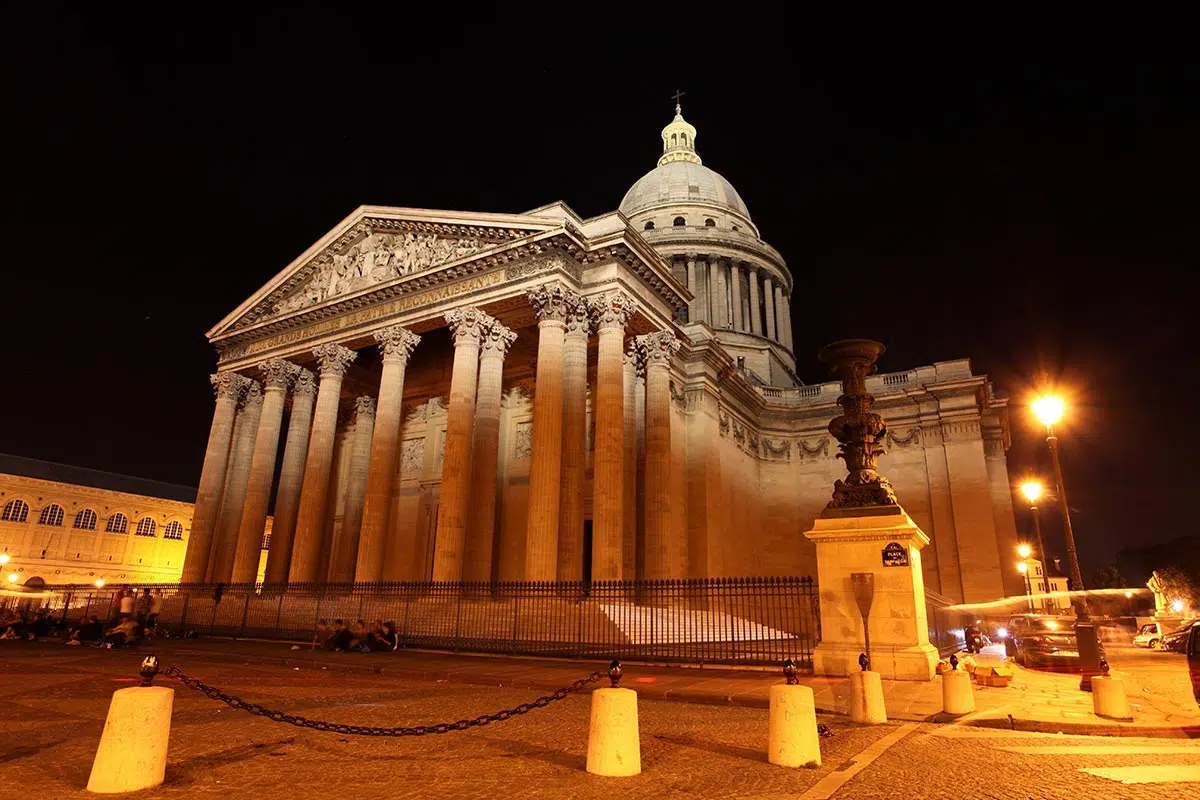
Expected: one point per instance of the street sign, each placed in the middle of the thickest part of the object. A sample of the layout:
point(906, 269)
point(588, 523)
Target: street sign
point(894, 555)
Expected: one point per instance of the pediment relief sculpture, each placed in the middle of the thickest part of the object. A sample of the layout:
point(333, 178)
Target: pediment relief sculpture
point(376, 259)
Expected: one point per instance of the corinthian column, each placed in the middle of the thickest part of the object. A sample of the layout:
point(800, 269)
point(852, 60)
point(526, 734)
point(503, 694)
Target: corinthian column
point(236, 480)
point(610, 313)
point(477, 561)
point(656, 348)
point(769, 306)
point(467, 328)
point(780, 317)
point(695, 314)
point(397, 345)
point(277, 377)
point(345, 547)
point(291, 478)
point(629, 473)
point(310, 525)
point(755, 308)
point(552, 302)
point(735, 281)
point(574, 457)
point(229, 387)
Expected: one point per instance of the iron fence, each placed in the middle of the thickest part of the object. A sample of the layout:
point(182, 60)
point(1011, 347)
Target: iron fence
point(718, 620)
point(946, 627)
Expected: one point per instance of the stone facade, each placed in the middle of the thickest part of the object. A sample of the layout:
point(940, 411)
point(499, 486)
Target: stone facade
point(613, 397)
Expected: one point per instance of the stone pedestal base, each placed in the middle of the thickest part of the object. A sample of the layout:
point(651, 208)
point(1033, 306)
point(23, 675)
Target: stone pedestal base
point(883, 541)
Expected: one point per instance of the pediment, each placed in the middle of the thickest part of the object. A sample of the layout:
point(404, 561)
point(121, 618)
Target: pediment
point(375, 248)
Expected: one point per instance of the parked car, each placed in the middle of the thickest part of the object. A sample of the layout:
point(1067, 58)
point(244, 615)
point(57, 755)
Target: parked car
point(1193, 657)
point(1041, 641)
point(1150, 635)
point(1176, 641)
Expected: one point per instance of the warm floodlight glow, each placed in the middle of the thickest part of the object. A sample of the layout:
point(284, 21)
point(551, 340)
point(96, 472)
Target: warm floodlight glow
point(100, 583)
point(1129, 595)
point(1024, 550)
point(4, 559)
point(13, 577)
point(1176, 605)
point(1051, 624)
point(1022, 567)
point(1048, 409)
point(1032, 490)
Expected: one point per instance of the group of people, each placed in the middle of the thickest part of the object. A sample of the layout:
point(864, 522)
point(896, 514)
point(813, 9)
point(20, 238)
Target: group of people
point(131, 618)
point(357, 638)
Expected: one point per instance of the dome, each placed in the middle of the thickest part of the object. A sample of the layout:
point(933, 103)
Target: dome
point(681, 177)
point(682, 182)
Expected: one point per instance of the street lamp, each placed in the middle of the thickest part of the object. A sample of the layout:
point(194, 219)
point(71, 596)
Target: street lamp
point(4, 559)
point(1024, 550)
point(13, 577)
point(1049, 410)
point(100, 583)
point(1023, 568)
point(1032, 491)
point(1176, 605)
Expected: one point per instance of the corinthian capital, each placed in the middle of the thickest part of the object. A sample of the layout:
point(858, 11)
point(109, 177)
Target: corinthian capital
point(333, 358)
point(611, 309)
point(306, 383)
point(253, 396)
point(229, 385)
point(632, 360)
point(552, 302)
point(657, 347)
point(364, 406)
point(578, 317)
point(278, 374)
point(468, 325)
point(396, 343)
point(496, 340)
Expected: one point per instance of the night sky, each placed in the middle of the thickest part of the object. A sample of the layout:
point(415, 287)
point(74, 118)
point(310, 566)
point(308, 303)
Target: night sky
point(1026, 207)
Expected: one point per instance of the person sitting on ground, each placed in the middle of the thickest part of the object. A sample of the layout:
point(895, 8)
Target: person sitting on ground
point(93, 631)
point(360, 637)
point(322, 635)
point(384, 638)
point(74, 635)
point(121, 634)
point(342, 638)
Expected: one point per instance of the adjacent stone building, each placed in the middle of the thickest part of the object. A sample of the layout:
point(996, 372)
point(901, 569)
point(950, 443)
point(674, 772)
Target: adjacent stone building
point(477, 396)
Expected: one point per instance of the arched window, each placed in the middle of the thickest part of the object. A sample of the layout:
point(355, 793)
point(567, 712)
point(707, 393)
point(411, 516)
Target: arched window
point(735, 227)
point(85, 520)
point(683, 138)
point(679, 222)
point(710, 223)
point(117, 523)
point(15, 511)
point(174, 530)
point(674, 140)
point(51, 515)
point(145, 527)
point(649, 226)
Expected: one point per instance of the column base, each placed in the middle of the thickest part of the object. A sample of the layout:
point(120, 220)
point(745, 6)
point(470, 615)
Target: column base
point(915, 663)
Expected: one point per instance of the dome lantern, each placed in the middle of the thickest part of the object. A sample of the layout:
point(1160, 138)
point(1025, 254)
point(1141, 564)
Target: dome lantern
point(679, 139)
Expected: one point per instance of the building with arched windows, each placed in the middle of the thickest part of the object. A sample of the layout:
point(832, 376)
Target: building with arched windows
point(66, 524)
point(470, 396)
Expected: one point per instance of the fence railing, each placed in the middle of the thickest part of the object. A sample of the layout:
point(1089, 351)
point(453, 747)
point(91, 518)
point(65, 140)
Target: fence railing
point(946, 628)
point(718, 620)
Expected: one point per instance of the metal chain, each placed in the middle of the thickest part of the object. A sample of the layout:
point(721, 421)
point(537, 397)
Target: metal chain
point(367, 730)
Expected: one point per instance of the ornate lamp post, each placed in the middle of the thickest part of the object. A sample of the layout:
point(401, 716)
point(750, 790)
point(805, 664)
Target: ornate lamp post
point(1049, 410)
point(1023, 568)
point(1032, 491)
point(860, 431)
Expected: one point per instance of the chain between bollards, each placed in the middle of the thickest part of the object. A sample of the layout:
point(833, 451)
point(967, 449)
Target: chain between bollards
point(150, 668)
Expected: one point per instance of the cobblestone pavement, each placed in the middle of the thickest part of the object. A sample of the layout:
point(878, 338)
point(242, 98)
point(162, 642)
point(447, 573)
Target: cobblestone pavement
point(53, 703)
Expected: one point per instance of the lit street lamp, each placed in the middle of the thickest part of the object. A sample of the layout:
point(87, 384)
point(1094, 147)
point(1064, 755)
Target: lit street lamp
point(1049, 410)
point(100, 583)
point(1023, 568)
point(4, 559)
point(1032, 491)
point(13, 577)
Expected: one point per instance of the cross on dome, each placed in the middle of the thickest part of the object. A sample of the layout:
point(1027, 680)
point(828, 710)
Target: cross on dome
point(679, 138)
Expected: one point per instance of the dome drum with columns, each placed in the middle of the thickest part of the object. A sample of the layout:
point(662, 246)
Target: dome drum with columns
point(699, 223)
point(489, 396)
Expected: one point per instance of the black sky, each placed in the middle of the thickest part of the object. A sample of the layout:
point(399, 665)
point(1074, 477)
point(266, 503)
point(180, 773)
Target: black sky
point(1031, 207)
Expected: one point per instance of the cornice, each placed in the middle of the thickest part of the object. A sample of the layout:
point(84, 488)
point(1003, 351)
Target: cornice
point(115, 497)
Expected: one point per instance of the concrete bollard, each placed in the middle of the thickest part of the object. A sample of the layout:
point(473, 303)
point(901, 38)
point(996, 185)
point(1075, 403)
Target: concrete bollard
point(614, 744)
point(866, 698)
point(792, 739)
point(133, 747)
point(1108, 698)
point(958, 697)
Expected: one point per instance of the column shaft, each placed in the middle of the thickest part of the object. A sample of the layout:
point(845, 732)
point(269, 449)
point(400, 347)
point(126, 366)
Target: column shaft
point(629, 474)
point(769, 306)
point(574, 457)
point(693, 310)
point(291, 479)
point(787, 321)
point(397, 344)
point(467, 326)
point(611, 311)
point(541, 539)
point(780, 317)
point(345, 549)
point(228, 386)
point(657, 348)
point(277, 376)
point(237, 480)
point(314, 495)
point(485, 461)
point(735, 280)
point(755, 306)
